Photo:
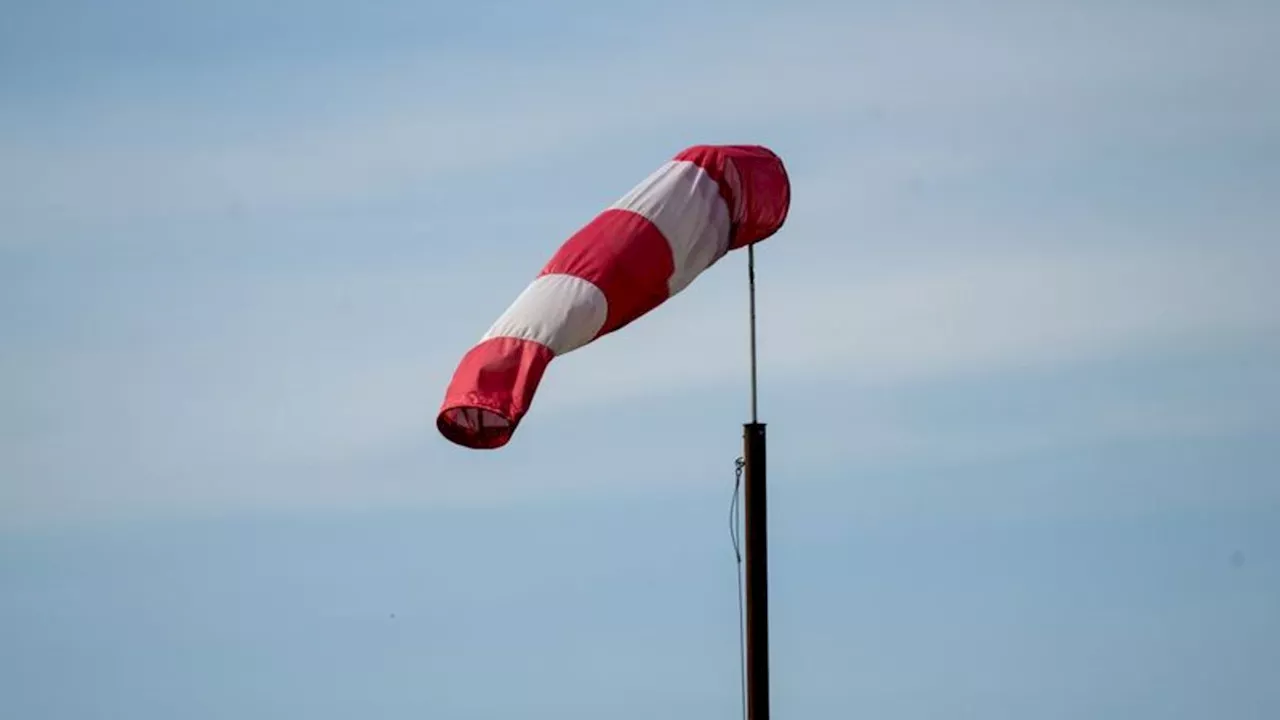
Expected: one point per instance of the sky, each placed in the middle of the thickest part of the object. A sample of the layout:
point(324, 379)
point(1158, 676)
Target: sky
point(1019, 361)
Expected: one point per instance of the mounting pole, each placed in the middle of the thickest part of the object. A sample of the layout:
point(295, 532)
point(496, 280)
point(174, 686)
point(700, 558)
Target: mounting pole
point(757, 542)
point(751, 295)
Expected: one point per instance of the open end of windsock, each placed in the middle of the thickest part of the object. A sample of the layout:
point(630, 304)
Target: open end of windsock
point(491, 391)
point(475, 427)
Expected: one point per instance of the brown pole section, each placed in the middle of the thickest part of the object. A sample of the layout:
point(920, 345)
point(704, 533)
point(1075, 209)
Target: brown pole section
point(757, 571)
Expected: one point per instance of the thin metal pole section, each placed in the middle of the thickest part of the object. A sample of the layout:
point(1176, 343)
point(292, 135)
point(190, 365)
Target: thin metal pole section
point(757, 571)
point(751, 290)
point(757, 535)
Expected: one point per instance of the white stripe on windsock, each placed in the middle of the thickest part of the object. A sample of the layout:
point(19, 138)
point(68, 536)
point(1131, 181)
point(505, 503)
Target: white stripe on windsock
point(683, 201)
point(563, 312)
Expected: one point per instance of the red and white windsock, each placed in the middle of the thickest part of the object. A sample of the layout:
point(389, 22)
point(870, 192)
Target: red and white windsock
point(648, 246)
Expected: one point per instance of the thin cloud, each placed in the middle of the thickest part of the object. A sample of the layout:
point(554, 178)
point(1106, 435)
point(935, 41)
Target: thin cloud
point(960, 314)
point(1050, 73)
point(319, 388)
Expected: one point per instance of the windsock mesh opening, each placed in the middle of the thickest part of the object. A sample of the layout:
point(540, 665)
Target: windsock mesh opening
point(475, 427)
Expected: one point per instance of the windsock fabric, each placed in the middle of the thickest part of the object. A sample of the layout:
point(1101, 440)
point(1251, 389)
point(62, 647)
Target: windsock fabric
point(645, 248)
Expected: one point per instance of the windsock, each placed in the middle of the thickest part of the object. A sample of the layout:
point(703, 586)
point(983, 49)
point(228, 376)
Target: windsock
point(632, 257)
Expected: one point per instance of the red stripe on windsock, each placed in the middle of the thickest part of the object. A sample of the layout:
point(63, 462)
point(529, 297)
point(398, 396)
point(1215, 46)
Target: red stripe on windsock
point(624, 255)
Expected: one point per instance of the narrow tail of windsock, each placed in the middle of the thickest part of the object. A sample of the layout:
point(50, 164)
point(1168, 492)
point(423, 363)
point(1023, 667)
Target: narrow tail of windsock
point(645, 248)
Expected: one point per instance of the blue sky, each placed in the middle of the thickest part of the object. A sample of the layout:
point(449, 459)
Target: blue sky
point(1019, 361)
